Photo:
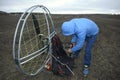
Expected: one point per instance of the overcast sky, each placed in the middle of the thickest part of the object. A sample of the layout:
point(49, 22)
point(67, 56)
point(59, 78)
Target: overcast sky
point(63, 6)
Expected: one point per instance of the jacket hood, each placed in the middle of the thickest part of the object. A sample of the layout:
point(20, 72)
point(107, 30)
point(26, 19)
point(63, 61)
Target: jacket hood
point(68, 28)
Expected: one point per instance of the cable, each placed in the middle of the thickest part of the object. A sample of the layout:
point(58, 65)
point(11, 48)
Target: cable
point(63, 64)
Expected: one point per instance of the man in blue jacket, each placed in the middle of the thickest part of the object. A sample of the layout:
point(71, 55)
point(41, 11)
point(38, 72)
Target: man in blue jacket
point(82, 30)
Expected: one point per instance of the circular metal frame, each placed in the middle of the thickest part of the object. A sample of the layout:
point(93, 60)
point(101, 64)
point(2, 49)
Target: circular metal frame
point(17, 42)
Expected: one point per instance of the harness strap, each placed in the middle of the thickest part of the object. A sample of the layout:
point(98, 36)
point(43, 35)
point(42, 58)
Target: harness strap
point(63, 64)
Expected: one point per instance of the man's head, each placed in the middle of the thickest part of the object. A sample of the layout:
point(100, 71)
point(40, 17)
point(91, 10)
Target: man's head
point(67, 28)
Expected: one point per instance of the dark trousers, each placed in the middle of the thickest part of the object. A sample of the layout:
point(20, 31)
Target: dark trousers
point(88, 50)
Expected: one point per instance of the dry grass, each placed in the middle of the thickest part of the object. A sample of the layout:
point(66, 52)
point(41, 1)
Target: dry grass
point(105, 58)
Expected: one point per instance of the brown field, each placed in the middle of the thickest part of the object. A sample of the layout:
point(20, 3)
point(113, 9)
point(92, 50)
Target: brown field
point(105, 58)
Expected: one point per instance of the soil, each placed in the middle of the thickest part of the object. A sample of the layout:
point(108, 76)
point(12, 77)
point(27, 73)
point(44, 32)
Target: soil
point(105, 64)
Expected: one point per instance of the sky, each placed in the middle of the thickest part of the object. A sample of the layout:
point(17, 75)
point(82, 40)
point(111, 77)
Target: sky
point(64, 6)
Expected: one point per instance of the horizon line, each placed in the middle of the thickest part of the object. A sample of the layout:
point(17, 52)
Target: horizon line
point(110, 13)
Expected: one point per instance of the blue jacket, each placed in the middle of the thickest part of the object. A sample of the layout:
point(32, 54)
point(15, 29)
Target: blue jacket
point(79, 28)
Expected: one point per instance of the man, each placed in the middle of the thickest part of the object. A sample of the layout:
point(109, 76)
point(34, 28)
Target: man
point(82, 30)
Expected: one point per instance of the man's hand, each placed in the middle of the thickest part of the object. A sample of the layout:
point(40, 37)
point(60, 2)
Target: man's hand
point(68, 51)
point(73, 44)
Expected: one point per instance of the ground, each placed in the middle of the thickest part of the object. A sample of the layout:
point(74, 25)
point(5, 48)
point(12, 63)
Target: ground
point(105, 64)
